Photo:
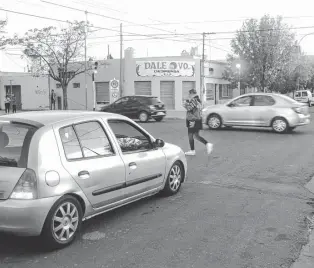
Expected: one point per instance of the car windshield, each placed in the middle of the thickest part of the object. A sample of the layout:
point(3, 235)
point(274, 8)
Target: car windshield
point(14, 144)
point(153, 100)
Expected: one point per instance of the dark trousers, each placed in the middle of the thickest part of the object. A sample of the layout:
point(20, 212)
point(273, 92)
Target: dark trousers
point(53, 105)
point(7, 108)
point(14, 108)
point(195, 133)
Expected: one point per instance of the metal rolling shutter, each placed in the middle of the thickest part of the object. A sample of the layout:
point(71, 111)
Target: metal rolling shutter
point(143, 88)
point(186, 86)
point(102, 91)
point(167, 94)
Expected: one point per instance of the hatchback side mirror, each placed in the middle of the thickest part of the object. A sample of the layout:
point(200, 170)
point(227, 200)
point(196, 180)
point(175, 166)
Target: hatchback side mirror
point(159, 143)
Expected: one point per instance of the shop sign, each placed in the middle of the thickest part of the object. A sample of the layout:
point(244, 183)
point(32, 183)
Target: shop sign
point(165, 68)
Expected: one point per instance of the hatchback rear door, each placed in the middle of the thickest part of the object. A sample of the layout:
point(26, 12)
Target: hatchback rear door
point(14, 147)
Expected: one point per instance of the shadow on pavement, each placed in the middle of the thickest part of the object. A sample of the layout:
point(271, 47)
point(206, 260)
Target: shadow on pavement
point(12, 246)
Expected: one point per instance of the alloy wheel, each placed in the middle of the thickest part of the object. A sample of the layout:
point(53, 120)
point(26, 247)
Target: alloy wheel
point(214, 122)
point(65, 222)
point(175, 178)
point(279, 125)
point(143, 117)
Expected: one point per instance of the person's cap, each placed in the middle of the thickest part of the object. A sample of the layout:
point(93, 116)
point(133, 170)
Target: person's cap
point(192, 91)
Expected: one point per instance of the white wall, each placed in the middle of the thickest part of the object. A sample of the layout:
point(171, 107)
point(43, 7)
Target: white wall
point(34, 90)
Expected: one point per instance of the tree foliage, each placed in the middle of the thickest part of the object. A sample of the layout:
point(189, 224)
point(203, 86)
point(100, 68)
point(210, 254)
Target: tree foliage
point(265, 51)
point(57, 52)
point(3, 40)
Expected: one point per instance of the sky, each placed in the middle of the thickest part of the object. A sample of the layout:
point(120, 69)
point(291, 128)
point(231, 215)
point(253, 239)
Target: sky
point(163, 27)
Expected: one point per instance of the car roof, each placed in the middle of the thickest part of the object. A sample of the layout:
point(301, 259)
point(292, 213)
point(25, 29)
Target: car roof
point(43, 118)
point(262, 93)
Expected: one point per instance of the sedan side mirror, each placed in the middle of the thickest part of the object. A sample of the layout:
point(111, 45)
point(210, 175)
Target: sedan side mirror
point(231, 105)
point(159, 143)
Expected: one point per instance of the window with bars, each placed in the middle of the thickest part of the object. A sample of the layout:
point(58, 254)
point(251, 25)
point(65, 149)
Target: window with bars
point(225, 92)
point(58, 85)
point(76, 85)
point(210, 89)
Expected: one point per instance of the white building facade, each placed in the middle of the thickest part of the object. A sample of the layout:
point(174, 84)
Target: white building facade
point(169, 78)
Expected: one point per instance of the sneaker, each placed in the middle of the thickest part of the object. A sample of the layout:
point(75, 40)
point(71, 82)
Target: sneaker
point(209, 147)
point(190, 153)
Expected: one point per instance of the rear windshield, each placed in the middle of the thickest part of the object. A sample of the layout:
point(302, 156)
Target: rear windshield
point(151, 101)
point(289, 99)
point(14, 144)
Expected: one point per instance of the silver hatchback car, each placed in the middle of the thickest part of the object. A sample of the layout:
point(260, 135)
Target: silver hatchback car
point(59, 168)
point(277, 111)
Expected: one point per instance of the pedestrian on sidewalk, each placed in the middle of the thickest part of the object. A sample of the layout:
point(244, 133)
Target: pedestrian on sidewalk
point(194, 122)
point(53, 100)
point(13, 102)
point(7, 102)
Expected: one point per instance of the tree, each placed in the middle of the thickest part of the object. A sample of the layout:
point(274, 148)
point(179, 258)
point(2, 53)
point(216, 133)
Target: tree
point(265, 51)
point(58, 53)
point(3, 40)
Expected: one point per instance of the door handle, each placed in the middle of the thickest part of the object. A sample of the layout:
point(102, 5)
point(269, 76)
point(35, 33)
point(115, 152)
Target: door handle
point(132, 165)
point(84, 174)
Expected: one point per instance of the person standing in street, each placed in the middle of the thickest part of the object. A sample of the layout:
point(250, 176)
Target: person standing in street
point(53, 100)
point(13, 102)
point(7, 102)
point(194, 122)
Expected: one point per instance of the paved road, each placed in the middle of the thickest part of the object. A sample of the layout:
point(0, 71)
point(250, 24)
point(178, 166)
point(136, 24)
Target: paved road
point(243, 207)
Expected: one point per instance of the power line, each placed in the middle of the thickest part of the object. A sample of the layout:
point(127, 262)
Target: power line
point(217, 21)
point(107, 17)
point(58, 20)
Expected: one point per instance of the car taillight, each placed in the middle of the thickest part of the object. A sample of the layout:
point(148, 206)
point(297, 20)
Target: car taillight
point(26, 188)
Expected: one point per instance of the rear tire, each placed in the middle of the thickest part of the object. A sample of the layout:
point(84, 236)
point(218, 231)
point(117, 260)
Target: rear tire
point(143, 117)
point(159, 119)
point(280, 125)
point(174, 180)
point(63, 223)
point(214, 121)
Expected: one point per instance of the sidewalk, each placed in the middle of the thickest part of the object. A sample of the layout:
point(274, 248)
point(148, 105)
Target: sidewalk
point(306, 258)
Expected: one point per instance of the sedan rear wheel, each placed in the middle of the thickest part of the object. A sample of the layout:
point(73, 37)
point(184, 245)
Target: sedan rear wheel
point(280, 125)
point(174, 180)
point(63, 222)
point(214, 121)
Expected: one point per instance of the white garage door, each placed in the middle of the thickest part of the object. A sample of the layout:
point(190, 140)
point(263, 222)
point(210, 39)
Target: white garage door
point(167, 94)
point(143, 88)
point(186, 86)
point(102, 91)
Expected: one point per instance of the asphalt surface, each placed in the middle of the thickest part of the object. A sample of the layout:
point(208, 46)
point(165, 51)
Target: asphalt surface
point(244, 206)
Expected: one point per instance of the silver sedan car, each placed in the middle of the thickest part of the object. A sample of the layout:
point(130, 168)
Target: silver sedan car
point(277, 111)
point(59, 168)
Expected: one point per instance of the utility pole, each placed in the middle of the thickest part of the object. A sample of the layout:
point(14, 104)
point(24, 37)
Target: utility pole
point(121, 62)
point(85, 72)
point(50, 107)
point(202, 69)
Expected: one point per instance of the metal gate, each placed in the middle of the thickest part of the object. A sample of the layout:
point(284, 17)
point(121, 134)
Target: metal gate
point(143, 88)
point(102, 91)
point(167, 94)
point(186, 86)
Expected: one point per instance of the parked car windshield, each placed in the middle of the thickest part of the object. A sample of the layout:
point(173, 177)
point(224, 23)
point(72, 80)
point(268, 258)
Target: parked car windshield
point(14, 144)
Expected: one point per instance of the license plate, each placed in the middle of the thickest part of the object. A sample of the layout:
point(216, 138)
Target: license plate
point(160, 113)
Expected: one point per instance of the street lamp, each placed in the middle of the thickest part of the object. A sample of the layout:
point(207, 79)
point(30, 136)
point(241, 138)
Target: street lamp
point(238, 66)
point(94, 87)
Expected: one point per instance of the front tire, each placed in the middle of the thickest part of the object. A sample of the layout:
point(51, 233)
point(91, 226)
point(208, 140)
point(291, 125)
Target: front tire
point(280, 125)
point(143, 117)
point(63, 222)
point(159, 119)
point(174, 180)
point(214, 121)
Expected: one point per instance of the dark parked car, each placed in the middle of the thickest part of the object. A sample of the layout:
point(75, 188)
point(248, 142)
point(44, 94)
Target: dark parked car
point(138, 107)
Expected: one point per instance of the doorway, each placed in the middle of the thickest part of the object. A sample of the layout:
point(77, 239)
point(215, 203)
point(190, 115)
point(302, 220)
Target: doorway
point(16, 90)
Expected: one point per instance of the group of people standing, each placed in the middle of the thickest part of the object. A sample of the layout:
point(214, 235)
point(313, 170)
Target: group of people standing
point(8, 102)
